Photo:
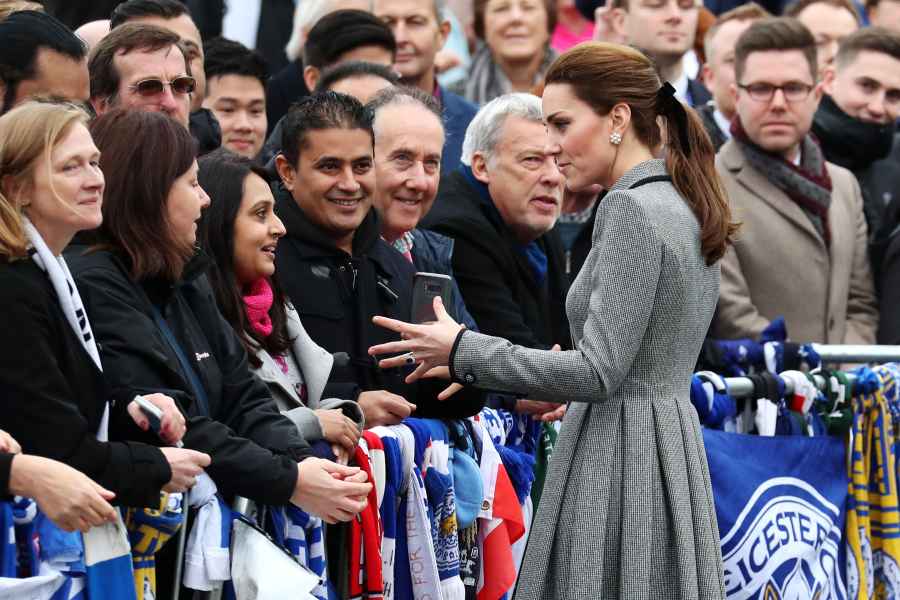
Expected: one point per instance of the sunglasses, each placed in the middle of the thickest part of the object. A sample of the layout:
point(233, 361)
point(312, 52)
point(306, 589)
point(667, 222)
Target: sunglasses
point(153, 87)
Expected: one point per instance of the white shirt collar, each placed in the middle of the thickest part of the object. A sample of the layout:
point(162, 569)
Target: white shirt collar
point(723, 123)
point(681, 86)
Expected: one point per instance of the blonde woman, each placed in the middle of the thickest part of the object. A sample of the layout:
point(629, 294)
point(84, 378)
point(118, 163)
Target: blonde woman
point(55, 401)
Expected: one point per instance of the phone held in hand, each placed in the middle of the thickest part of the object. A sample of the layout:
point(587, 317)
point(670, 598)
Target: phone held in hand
point(425, 287)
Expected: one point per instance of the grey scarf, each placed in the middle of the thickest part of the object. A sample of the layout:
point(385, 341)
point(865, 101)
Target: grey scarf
point(487, 80)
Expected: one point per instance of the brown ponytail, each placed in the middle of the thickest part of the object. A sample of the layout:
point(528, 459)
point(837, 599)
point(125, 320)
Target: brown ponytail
point(603, 75)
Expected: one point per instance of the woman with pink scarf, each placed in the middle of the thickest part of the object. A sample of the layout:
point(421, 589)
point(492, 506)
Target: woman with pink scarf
point(240, 233)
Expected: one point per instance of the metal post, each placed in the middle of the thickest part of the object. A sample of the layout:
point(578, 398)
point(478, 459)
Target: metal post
point(742, 387)
point(182, 540)
point(857, 353)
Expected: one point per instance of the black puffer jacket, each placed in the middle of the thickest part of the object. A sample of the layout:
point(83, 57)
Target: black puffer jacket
point(337, 295)
point(872, 153)
point(254, 448)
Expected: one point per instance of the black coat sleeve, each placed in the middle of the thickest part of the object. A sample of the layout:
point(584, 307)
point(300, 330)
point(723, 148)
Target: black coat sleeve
point(5, 472)
point(41, 410)
point(889, 297)
point(254, 449)
point(487, 294)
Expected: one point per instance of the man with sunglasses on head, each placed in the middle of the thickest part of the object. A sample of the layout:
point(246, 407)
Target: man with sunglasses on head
point(143, 67)
point(802, 252)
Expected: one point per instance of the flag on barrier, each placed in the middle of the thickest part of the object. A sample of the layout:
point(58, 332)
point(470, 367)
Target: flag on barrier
point(780, 509)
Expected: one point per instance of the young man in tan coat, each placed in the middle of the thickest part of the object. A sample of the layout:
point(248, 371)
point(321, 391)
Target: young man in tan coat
point(802, 249)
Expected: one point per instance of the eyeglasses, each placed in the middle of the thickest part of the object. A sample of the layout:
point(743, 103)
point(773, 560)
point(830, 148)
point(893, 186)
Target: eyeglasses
point(764, 92)
point(153, 87)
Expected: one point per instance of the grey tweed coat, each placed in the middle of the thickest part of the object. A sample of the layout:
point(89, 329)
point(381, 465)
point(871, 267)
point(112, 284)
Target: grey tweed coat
point(627, 511)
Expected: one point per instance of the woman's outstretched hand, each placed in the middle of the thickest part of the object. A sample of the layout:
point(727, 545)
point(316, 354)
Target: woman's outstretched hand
point(430, 344)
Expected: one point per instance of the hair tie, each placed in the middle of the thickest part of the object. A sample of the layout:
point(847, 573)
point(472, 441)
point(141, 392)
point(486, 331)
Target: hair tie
point(671, 107)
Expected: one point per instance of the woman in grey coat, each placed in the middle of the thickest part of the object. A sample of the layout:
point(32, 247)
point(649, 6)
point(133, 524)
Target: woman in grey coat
point(627, 510)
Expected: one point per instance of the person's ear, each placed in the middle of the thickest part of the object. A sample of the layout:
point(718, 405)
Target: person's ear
point(286, 171)
point(100, 105)
point(311, 77)
point(480, 168)
point(817, 92)
point(707, 76)
point(618, 18)
point(828, 76)
point(733, 88)
point(620, 118)
point(444, 32)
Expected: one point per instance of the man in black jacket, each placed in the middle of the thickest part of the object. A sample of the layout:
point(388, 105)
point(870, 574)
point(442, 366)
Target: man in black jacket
point(333, 264)
point(855, 123)
point(500, 206)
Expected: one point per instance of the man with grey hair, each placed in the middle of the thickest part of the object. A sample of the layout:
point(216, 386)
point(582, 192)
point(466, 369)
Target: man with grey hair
point(500, 207)
point(409, 135)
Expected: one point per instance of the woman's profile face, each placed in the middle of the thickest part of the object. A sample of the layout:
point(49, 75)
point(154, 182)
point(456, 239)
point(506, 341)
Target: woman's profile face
point(184, 204)
point(578, 137)
point(66, 195)
point(256, 232)
point(516, 30)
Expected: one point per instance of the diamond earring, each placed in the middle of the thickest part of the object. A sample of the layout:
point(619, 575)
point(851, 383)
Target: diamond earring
point(615, 138)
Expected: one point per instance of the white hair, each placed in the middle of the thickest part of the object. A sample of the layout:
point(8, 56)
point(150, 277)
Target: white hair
point(306, 15)
point(484, 131)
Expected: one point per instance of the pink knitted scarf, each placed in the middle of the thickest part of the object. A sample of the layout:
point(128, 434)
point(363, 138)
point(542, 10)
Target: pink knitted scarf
point(257, 302)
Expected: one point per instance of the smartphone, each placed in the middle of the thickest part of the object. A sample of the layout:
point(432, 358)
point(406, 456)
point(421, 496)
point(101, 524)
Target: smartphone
point(425, 287)
point(154, 415)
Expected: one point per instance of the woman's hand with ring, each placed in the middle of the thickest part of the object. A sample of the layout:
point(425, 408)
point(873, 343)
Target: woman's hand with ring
point(428, 345)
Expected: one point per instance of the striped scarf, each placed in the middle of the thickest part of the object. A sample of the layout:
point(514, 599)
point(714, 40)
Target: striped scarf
point(808, 185)
point(303, 536)
point(487, 80)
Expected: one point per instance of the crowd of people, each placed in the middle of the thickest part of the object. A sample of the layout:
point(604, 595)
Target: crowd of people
point(232, 234)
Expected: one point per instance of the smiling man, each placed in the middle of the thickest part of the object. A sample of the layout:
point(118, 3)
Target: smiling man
point(856, 122)
point(142, 67)
point(802, 250)
point(500, 207)
point(333, 264)
point(420, 29)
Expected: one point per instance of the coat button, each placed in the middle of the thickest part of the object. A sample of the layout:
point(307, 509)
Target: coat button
point(485, 505)
point(469, 378)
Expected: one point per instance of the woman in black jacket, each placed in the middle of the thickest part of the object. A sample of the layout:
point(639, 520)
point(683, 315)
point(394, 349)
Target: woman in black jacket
point(155, 317)
point(55, 400)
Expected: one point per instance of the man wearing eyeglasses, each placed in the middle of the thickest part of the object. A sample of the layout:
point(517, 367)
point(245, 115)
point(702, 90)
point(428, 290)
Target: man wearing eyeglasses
point(802, 249)
point(143, 67)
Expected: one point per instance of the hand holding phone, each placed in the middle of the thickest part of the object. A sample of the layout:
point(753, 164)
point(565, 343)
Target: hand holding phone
point(425, 287)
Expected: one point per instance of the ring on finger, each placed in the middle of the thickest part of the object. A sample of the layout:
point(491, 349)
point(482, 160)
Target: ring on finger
point(409, 358)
